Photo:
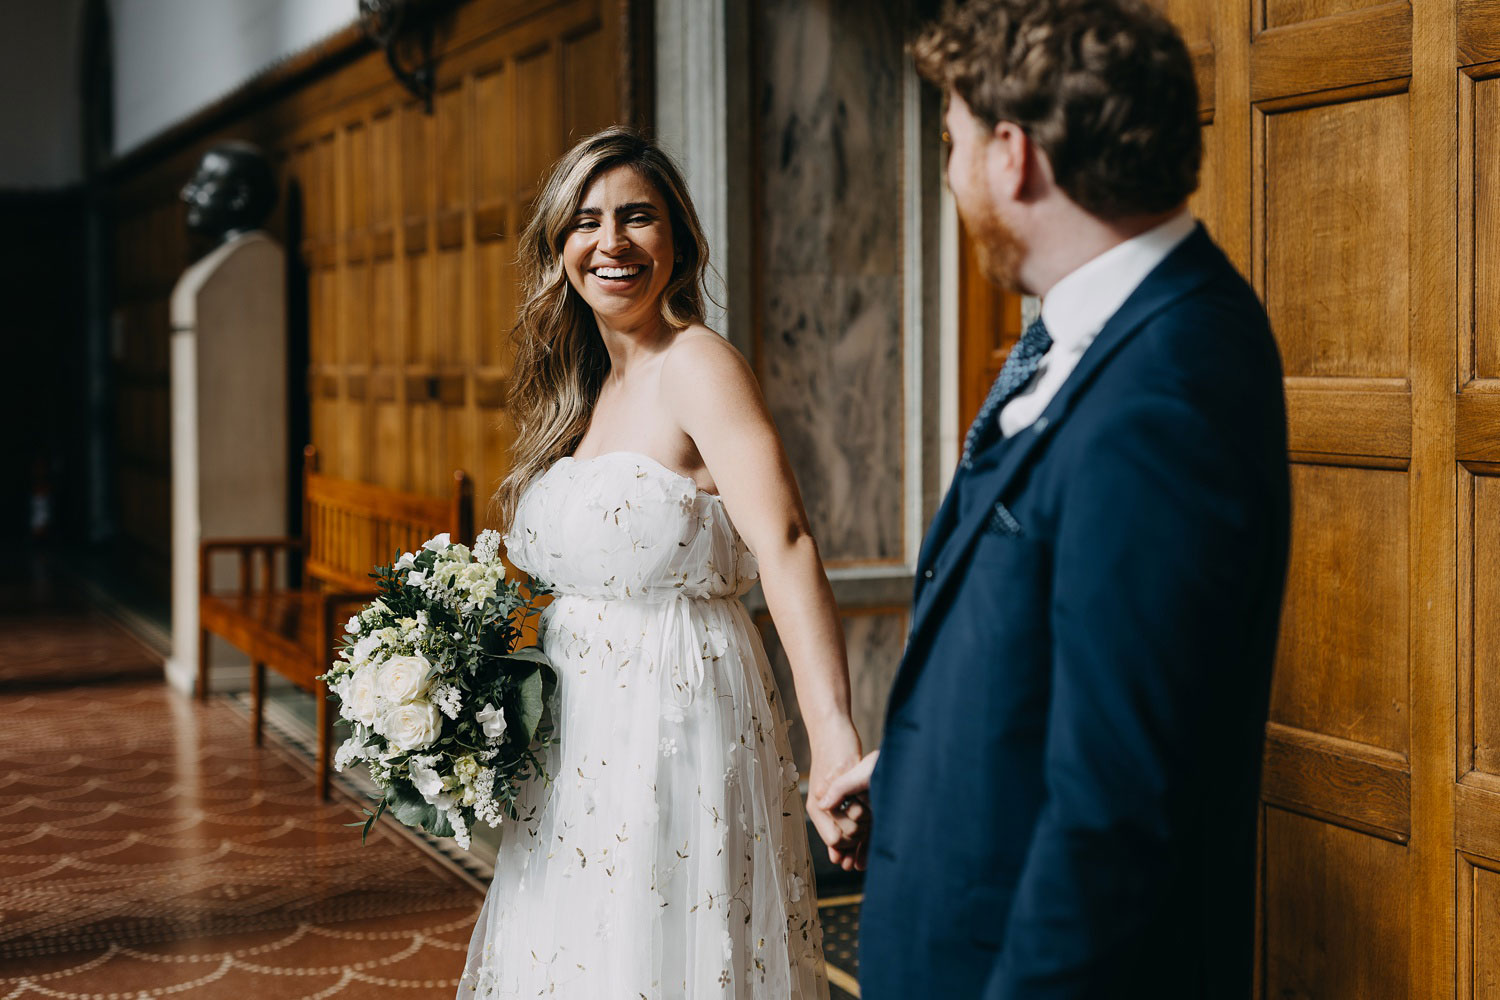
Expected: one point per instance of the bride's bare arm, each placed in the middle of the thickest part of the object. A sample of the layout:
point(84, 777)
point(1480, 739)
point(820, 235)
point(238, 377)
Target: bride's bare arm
point(715, 399)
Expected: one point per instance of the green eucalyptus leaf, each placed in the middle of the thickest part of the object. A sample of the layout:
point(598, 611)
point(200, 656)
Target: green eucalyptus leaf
point(439, 825)
point(407, 805)
point(529, 655)
point(530, 701)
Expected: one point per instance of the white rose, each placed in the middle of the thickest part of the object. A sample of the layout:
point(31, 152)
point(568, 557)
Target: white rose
point(436, 543)
point(404, 678)
point(493, 721)
point(411, 726)
point(361, 702)
point(425, 779)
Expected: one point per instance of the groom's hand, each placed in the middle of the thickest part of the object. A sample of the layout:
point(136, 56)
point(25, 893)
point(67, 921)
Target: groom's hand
point(847, 795)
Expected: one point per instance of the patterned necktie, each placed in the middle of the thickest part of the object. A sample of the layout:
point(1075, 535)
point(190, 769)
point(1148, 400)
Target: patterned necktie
point(1018, 369)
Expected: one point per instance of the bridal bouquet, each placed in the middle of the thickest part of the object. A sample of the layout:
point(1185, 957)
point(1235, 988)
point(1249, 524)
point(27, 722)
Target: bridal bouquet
point(444, 709)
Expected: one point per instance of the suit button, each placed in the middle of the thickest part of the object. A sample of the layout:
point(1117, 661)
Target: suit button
point(927, 575)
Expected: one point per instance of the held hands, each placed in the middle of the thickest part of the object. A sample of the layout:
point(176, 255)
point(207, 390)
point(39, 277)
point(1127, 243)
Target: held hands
point(835, 795)
point(845, 799)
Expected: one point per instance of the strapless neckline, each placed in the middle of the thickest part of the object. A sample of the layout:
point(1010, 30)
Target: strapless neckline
point(649, 461)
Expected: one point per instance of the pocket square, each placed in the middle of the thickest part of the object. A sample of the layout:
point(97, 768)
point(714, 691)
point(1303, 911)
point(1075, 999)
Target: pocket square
point(1002, 521)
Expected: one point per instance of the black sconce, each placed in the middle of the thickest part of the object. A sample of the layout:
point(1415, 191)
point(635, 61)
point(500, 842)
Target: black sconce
point(397, 25)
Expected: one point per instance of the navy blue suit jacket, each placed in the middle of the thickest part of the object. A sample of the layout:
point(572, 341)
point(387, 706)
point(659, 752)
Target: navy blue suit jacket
point(1065, 800)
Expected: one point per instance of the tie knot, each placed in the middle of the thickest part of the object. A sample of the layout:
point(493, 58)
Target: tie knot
point(1035, 340)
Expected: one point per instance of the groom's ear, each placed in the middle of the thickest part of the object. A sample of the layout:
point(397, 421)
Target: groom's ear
point(1011, 162)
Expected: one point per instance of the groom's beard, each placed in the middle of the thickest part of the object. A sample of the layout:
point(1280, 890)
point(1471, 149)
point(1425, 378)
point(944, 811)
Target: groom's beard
point(998, 249)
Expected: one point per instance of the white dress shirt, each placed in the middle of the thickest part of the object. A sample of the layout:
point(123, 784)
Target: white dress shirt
point(1078, 306)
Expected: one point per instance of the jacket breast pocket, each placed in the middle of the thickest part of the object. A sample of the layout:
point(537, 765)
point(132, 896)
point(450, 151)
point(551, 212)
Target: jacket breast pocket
point(1002, 521)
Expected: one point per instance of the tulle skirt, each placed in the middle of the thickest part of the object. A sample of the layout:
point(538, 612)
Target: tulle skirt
point(667, 859)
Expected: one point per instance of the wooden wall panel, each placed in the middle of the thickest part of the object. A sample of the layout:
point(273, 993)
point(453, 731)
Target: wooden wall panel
point(1335, 928)
point(1480, 670)
point(406, 235)
point(1485, 962)
point(1485, 165)
point(1349, 566)
point(1336, 237)
point(1204, 203)
point(1280, 13)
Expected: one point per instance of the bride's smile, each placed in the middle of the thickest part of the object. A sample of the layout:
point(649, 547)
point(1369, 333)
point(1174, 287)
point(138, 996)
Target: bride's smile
point(619, 252)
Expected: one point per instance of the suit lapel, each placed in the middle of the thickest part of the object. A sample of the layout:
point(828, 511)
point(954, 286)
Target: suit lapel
point(1186, 268)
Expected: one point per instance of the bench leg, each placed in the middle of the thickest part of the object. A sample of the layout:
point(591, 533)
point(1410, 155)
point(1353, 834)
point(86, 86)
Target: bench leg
point(324, 727)
point(202, 664)
point(257, 688)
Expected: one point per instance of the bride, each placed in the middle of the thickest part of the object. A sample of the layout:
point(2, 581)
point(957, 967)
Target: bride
point(667, 858)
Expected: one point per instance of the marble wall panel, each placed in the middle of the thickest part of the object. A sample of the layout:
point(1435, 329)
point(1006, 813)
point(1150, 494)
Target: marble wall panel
point(875, 641)
point(829, 256)
point(833, 379)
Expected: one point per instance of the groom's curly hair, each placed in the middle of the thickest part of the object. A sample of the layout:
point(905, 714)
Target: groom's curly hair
point(1104, 87)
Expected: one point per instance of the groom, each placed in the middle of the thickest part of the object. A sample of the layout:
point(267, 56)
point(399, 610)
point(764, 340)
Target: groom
point(1064, 805)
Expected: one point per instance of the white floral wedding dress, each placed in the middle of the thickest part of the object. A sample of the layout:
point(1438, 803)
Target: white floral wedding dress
point(668, 859)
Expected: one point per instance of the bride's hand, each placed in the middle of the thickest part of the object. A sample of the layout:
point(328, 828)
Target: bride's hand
point(844, 831)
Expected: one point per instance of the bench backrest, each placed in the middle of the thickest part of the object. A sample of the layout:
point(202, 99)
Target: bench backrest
point(352, 527)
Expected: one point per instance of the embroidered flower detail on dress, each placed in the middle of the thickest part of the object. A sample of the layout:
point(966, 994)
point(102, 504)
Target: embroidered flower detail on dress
point(667, 746)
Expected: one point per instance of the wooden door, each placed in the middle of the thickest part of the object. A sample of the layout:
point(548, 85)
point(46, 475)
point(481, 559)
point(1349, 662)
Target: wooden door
point(989, 324)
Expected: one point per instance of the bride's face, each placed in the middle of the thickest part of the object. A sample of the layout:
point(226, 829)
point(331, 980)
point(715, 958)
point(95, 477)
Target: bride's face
point(619, 254)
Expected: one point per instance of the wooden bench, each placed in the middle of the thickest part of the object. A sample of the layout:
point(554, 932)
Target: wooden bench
point(349, 528)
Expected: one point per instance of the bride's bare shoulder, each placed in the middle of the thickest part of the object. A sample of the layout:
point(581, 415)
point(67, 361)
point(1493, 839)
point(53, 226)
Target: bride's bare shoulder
point(698, 352)
point(704, 373)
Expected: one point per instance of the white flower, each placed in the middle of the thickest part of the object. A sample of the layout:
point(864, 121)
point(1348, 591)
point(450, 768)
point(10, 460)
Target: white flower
point(411, 726)
point(416, 578)
point(425, 779)
point(667, 746)
point(405, 678)
point(492, 720)
point(436, 543)
point(352, 625)
point(460, 828)
point(350, 751)
point(448, 699)
point(671, 712)
point(794, 885)
point(365, 648)
point(728, 948)
point(407, 561)
point(361, 702)
point(487, 546)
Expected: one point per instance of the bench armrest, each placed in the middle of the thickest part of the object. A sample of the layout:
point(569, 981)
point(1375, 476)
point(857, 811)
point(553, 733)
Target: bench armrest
point(268, 546)
point(333, 604)
point(268, 542)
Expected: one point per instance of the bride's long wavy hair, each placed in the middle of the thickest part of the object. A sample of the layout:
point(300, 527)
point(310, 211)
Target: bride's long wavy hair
point(560, 359)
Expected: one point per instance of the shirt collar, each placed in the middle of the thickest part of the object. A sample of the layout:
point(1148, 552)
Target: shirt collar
point(1078, 306)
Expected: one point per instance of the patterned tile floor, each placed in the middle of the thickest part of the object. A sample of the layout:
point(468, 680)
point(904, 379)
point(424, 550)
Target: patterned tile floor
point(840, 916)
point(148, 849)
